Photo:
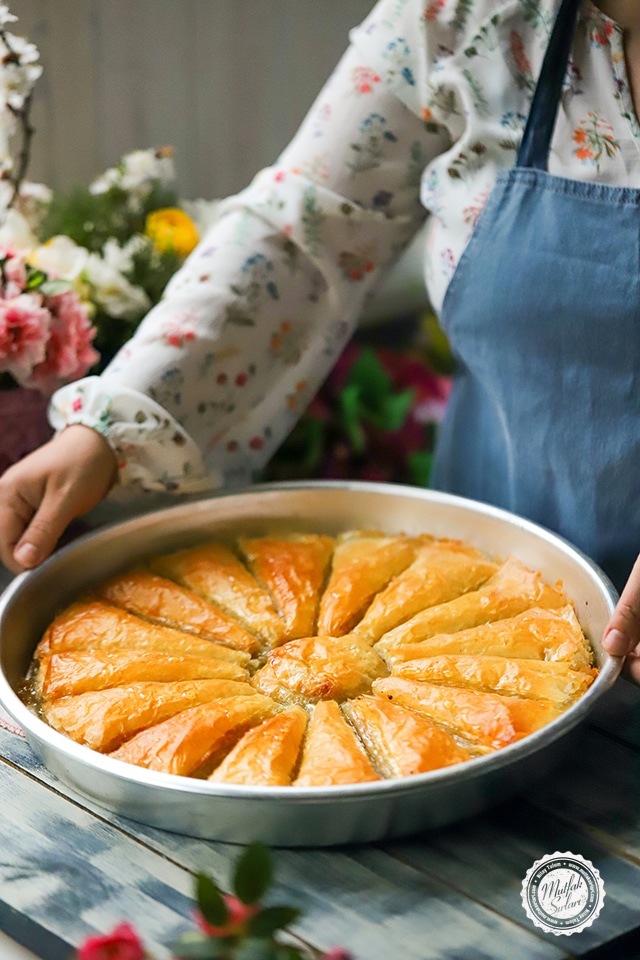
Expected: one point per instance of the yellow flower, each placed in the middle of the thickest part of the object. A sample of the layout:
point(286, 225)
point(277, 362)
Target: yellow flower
point(172, 229)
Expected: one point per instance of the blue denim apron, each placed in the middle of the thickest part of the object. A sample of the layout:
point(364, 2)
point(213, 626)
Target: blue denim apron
point(543, 315)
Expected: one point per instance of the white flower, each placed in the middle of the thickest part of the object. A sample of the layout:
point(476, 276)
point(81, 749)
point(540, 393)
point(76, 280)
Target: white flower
point(112, 291)
point(20, 70)
point(5, 15)
point(137, 171)
point(204, 213)
point(121, 258)
point(16, 233)
point(60, 257)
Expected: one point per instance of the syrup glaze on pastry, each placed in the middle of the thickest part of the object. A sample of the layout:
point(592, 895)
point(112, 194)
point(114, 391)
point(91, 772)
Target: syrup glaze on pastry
point(305, 660)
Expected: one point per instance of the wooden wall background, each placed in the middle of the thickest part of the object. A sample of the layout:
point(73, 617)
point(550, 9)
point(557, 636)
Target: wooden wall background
point(226, 82)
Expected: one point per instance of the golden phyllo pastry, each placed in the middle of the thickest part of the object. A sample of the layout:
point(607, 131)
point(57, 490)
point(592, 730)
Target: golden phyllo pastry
point(402, 742)
point(535, 634)
point(97, 627)
point(511, 590)
point(67, 674)
point(486, 718)
point(363, 563)
point(293, 570)
point(217, 574)
point(319, 668)
point(441, 571)
point(189, 739)
point(104, 718)
point(163, 601)
point(268, 754)
point(538, 679)
point(332, 754)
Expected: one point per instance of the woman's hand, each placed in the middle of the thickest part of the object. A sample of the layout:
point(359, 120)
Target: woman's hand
point(622, 636)
point(41, 494)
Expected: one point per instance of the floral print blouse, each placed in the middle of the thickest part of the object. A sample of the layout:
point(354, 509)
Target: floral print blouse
point(427, 103)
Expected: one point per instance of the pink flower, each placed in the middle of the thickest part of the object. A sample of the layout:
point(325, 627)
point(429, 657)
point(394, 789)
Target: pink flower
point(24, 330)
point(14, 272)
point(337, 953)
point(122, 943)
point(239, 913)
point(69, 353)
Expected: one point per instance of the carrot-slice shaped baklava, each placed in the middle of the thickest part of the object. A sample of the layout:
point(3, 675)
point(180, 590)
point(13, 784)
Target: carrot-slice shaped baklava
point(267, 755)
point(441, 571)
point(101, 628)
point(186, 741)
point(102, 719)
point(66, 674)
point(535, 634)
point(539, 679)
point(319, 668)
point(486, 718)
point(215, 572)
point(363, 563)
point(332, 754)
point(402, 742)
point(514, 588)
point(155, 598)
point(293, 569)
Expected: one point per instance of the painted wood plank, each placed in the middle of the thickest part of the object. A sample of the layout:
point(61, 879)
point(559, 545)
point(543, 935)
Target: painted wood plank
point(475, 857)
point(618, 713)
point(75, 874)
point(598, 789)
point(362, 898)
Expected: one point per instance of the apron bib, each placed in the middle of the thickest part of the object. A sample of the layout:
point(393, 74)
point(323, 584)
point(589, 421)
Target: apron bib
point(543, 316)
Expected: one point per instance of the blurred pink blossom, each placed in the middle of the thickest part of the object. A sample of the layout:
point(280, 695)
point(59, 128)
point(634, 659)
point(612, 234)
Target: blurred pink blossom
point(24, 331)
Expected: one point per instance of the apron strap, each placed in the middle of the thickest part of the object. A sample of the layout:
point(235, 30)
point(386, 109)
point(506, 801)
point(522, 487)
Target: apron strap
point(536, 140)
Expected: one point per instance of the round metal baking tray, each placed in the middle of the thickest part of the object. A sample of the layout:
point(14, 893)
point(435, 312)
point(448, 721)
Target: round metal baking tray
point(284, 816)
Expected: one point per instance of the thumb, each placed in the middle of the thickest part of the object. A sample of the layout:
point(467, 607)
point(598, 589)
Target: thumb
point(623, 631)
point(43, 531)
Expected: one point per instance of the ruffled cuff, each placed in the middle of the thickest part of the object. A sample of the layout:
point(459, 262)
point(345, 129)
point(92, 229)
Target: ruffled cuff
point(152, 449)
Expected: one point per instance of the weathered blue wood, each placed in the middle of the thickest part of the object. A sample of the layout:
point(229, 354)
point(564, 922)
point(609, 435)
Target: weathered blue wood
point(474, 857)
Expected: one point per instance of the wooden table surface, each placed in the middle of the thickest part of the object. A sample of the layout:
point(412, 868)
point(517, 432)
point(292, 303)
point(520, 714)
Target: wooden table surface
point(69, 869)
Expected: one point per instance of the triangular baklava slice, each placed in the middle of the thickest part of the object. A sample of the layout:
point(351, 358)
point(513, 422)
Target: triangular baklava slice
point(486, 718)
point(537, 679)
point(535, 634)
point(293, 569)
point(440, 572)
point(91, 625)
point(511, 590)
point(102, 719)
point(67, 674)
point(363, 563)
point(332, 754)
point(217, 574)
point(267, 755)
point(402, 742)
point(155, 598)
point(186, 741)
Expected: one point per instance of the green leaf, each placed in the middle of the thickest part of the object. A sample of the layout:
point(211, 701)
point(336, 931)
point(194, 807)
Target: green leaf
point(212, 906)
point(287, 952)
point(251, 949)
point(420, 463)
point(35, 279)
point(197, 947)
point(265, 923)
point(351, 410)
point(393, 411)
point(253, 873)
point(369, 375)
point(52, 288)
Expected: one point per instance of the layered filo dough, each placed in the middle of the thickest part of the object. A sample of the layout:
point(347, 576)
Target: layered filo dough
point(305, 660)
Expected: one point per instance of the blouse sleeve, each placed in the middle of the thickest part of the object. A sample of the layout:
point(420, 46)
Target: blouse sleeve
point(219, 371)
